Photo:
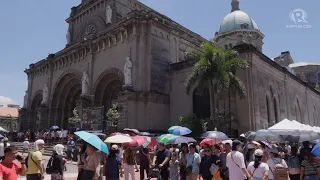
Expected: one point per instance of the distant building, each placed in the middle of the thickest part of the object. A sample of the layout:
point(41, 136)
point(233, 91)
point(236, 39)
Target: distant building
point(8, 113)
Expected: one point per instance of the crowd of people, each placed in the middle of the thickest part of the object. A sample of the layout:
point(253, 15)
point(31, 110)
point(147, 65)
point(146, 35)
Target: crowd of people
point(233, 160)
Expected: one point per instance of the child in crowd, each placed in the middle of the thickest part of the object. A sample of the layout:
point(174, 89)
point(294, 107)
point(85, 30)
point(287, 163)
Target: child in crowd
point(174, 174)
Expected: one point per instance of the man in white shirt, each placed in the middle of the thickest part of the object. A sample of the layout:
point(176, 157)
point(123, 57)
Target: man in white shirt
point(235, 163)
point(25, 146)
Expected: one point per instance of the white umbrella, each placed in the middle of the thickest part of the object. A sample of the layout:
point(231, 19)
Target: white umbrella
point(286, 127)
point(118, 138)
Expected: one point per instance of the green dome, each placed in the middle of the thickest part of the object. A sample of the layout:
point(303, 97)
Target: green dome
point(237, 20)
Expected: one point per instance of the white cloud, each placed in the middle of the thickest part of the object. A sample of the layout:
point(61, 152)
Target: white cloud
point(5, 100)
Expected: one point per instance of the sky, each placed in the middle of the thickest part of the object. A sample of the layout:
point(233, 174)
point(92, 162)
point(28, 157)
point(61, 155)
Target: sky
point(32, 29)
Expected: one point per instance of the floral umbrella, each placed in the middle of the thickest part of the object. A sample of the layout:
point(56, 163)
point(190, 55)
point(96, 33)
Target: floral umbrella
point(215, 135)
point(210, 142)
point(144, 145)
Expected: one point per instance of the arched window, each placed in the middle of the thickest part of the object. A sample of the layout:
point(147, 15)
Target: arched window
point(226, 46)
point(298, 112)
point(230, 46)
point(315, 120)
point(201, 104)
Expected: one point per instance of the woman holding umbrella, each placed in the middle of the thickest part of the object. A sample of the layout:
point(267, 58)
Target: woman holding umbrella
point(91, 164)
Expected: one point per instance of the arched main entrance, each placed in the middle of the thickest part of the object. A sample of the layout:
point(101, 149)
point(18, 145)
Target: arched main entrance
point(64, 99)
point(34, 118)
point(107, 88)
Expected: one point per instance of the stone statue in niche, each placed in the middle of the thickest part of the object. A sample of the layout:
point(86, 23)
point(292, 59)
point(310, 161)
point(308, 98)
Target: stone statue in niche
point(85, 83)
point(68, 36)
point(108, 15)
point(45, 94)
point(128, 73)
point(25, 100)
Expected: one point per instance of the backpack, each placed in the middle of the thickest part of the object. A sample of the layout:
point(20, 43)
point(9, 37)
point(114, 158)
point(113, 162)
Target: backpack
point(280, 172)
point(50, 169)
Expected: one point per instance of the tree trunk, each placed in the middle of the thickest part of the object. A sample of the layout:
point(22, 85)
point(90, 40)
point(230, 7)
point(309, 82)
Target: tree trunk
point(212, 105)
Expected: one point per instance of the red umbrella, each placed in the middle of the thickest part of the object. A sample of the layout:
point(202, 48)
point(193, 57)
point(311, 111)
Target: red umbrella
point(210, 142)
point(137, 141)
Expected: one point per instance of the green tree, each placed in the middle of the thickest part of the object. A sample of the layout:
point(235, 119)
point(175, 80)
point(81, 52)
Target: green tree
point(75, 120)
point(113, 115)
point(192, 122)
point(215, 69)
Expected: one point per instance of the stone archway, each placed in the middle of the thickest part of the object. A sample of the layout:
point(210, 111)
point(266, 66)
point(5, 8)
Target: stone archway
point(65, 95)
point(34, 119)
point(107, 88)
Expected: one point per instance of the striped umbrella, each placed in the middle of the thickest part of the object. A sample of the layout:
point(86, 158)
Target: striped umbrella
point(165, 138)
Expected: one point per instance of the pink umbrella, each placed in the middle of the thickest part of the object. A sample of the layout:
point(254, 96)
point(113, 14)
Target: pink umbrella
point(137, 141)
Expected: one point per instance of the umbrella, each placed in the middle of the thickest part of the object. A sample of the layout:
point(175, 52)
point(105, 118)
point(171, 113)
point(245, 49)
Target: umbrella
point(215, 135)
point(144, 133)
point(54, 127)
point(166, 137)
point(144, 145)
point(1, 136)
point(2, 129)
point(94, 140)
point(263, 135)
point(210, 142)
point(302, 136)
point(131, 130)
point(118, 138)
point(179, 130)
point(181, 139)
point(99, 134)
point(137, 141)
point(316, 150)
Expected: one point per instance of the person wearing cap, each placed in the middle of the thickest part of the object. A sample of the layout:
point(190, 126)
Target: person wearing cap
point(235, 162)
point(258, 169)
point(112, 164)
point(274, 160)
point(3, 145)
point(35, 169)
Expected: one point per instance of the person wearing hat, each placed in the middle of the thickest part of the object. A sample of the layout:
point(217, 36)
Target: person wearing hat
point(258, 169)
point(4, 143)
point(112, 164)
point(274, 160)
point(235, 162)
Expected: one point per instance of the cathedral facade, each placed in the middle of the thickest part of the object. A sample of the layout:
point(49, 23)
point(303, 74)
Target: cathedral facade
point(123, 52)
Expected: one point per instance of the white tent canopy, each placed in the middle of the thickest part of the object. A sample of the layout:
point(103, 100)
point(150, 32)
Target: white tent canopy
point(292, 126)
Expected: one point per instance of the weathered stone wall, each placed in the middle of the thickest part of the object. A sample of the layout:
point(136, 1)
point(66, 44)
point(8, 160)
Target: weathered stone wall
point(310, 72)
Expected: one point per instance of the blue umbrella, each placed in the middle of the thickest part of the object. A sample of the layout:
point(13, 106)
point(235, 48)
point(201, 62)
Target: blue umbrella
point(94, 140)
point(215, 135)
point(54, 127)
point(1, 136)
point(179, 130)
point(316, 150)
point(181, 139)
point(264, 135)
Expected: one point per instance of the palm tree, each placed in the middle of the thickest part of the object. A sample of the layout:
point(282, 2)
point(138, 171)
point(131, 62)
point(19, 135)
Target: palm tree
point(215, 69)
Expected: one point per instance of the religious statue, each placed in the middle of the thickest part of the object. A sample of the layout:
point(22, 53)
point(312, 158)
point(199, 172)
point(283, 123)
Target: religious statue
point(25, 101)
point(128, 72)
point(68, 36)
point(85, 83)
point(45, 95)
point(108, 15)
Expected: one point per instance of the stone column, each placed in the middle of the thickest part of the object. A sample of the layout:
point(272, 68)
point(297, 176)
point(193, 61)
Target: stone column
point(42, 115)
point(23, 119)
point(123, 109)
point(85, 108)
